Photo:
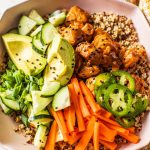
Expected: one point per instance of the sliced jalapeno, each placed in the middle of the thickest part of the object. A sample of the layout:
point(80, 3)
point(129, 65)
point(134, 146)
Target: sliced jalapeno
point(103, 78)
point(125, 79)
point(139, 105)
point(126, 122)
point(118, 100)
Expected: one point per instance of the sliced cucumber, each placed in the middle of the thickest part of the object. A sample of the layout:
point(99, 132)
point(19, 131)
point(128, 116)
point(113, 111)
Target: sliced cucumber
point(6, 109)
point(36, 31)
point(40, 137)
point(24, 119)
point(26, 25)
point(57, 19)
point(14, 30)
point(29, 110)
point(34, 15)
point(61, 99)
point(50, 88)
point(39, 102)
point(38, 45)
point(48, 33)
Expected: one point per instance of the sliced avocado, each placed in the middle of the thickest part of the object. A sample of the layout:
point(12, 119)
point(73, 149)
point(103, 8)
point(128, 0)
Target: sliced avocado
point(39, 102)
point(34, 15)
point(60, 51)
point(61, 99)
point(57, 19)
point(26, 25)
point(20, 50)
point(50, 88)
point(48, 33)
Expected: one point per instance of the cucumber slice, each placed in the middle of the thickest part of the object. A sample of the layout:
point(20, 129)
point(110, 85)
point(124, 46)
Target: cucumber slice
point(39, 102)
point(14, 30)
point(34, 15)
point(40, 137)
point(6, 109)
point(38, 45)
point(59, 136)
point(36, 31)
point(29, 110)
point(50, 88)
point(26, 25)
point(57, 19)
point(61, 99)
point(48, 33)
point(11, 104)
point(24, 119)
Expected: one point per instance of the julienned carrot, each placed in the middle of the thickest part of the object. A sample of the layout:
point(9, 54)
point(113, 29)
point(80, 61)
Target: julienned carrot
point(79, 116)
point(107, 120)
point(104, 138)
point(130, 137)
point(61, 126)
point(74, 137)
point(69, 114)
point(117, 128)
point(110, 145)
point(89, 97)
point(105, 113)
point(96, 135)
point(86, 135)
point(82, 103)
point(132, 129)
point(107, 132)
point(62, 120)
point(51, 140)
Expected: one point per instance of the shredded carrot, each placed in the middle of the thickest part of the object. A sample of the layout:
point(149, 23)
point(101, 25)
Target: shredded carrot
point(110, 145)
point(79, 116)
point(74, 137)
point(60, 121)
point(96, 135)
point(104, 138)
point(83, 106)
point(105, 113)
point(117, 128)
point(130, 137)
point(107, 120)
point(50, 144)
point(69, 114)
point(88, 133)
point(89, 97)
point(107, 132)
point(132, 129)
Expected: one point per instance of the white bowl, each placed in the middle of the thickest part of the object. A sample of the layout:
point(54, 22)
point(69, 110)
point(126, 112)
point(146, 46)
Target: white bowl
point(10, 140)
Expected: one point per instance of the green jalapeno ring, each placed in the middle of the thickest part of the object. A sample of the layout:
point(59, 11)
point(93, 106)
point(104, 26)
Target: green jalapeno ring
point(126, 122)
point(125, 77)
point(138, 107)
point(118, 100)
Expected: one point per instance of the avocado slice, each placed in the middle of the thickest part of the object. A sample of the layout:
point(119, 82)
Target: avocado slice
point(61, 99)
point(19, 48)
point(61, 61)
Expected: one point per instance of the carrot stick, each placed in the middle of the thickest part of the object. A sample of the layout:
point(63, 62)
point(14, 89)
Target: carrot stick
point(105, 139)
point(86, 135)
point(132, 129)
point(82, 103)
point(74, 137)
point(110, 145)
point(107, 132)
point(107, 120)
point(117, 128)
point(60, 123)
point(74, 99)
point(69, 114)
point(50, 144)
point(105, 113)
point(89, 97)
point(96, 135)
point(130, 137)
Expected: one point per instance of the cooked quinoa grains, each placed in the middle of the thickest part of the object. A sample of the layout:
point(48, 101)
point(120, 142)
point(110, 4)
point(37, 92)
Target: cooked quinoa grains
point(119, 27)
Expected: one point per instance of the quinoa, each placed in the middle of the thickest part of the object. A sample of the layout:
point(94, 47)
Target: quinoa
point(119, 27)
